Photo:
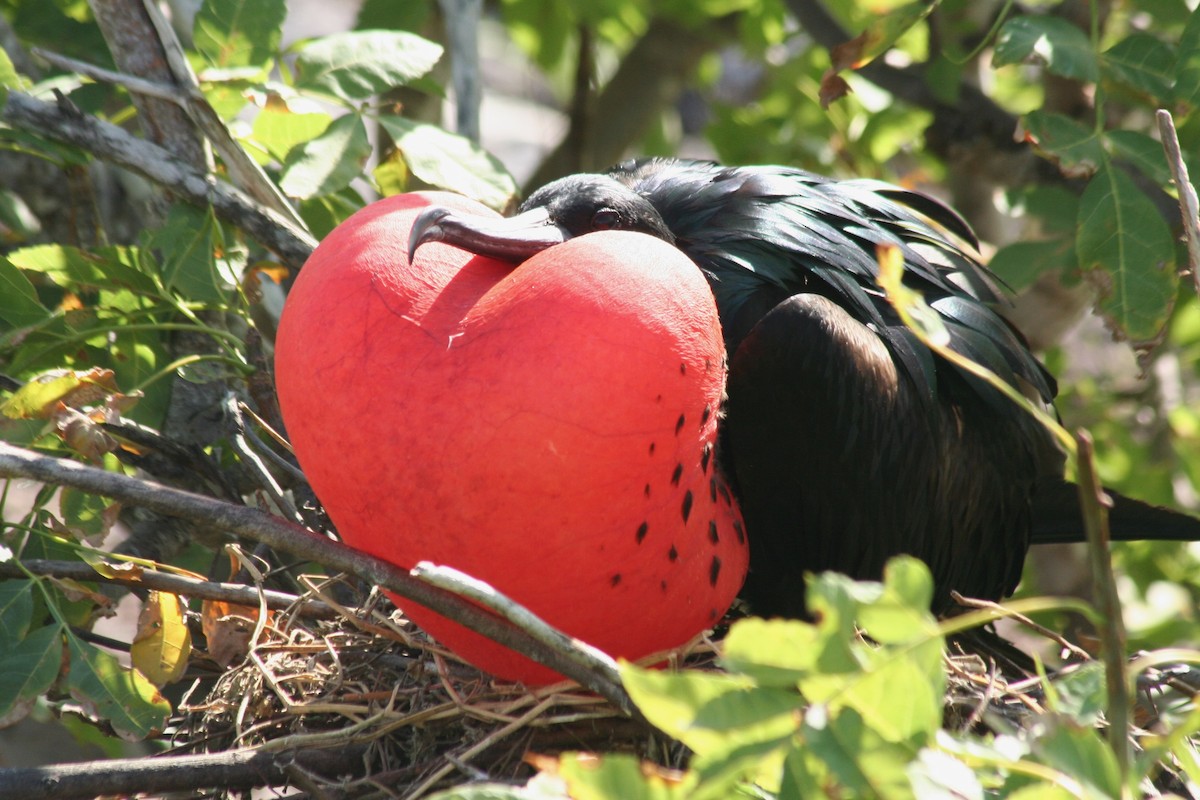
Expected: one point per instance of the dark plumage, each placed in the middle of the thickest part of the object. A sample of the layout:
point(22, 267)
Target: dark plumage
point(846, 440)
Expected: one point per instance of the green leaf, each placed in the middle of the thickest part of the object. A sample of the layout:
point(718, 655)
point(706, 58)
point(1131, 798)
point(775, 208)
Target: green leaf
point(541, 28)
point(1143, 63)
point(1081, 692)
point(901, 614)
point(19, 304)
point(82, 270)
point(1080, 752)
point(277, 129)
point(451, 162)
point(186, 242)
point(9, 79)
point(329, 162)
point(17, 217)
point(1019, 264)
point(776, 652)
point(1186, 73)
point(358, 64)
point(16, 611)
point(1063, 48)
point(87, 516)
point(880, 34)
point(613, 775)
point(709, 712)
point(1076, 147)
point(1126, 248)
point(239, 33)
point(111, 692)
point(1143, 151)
point(863, 763)
point(27, 671)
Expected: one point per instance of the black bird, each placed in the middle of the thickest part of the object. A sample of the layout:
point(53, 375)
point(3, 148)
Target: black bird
point(846, 440)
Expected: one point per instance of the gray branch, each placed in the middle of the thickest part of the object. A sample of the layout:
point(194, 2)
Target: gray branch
point(64, 123)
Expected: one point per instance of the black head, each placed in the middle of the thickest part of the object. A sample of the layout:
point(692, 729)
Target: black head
point(561, 210)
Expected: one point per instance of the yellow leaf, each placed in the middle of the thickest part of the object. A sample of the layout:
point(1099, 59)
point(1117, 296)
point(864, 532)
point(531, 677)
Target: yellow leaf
point(163, 642)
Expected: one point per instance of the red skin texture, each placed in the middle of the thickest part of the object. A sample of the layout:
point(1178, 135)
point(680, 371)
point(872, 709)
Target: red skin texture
point(519, 424)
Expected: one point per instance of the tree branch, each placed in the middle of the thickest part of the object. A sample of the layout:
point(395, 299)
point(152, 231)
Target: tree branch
point(236, 593)
point(650, 76)
point(64, 123)
point(235, 769)
point(282, 535)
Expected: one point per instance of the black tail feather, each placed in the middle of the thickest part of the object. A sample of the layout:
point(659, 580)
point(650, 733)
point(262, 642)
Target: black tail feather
point(1057, 518)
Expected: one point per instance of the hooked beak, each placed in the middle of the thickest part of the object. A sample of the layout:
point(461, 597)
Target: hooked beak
point(509, 239)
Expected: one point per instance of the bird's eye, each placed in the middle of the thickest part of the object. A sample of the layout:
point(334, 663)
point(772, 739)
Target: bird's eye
point(605, 220)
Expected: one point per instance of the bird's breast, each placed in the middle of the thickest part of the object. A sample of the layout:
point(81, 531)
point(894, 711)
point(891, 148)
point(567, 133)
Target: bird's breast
point(548, 428)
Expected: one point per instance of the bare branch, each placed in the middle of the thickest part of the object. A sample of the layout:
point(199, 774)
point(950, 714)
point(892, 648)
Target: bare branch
point(64, 123)
point(650, 75)
point(236, 593)
point(1188, 205)
point(285, 536)
point(235, 769)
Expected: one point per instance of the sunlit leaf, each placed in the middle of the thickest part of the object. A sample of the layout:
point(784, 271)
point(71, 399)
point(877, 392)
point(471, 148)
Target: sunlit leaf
point(38, 398)
point(1054, 42)
point(710, 712)
point(451, 162)
point(278, 129)
point(358, 64)
point(121, 696)
point(604, 777)
point(936, 775)
point(774, 652)
point(19, 304)
point(879, 36)
point(330, 161)
point(239, 33)
point(163, 642)
point(863, 763)
point(1080, 752)
point(112, 268)
point(89, 517)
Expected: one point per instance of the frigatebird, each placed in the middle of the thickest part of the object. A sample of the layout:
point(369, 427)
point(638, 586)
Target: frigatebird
point(845, 439)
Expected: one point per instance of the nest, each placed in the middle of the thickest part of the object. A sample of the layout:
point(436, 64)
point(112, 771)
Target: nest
point(417, 720)
point(423, 720)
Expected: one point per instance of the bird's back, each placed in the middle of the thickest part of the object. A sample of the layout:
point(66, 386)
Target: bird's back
point(847, 439)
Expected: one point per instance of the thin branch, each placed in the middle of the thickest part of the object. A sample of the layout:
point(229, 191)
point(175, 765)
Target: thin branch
point(649, 77)
point(462, 35)
point(63, 122)
point(235, 593)
point(234, 769)
point(288, 537)
point(1188, 205)
point(1095, 505)
point(453, 580)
